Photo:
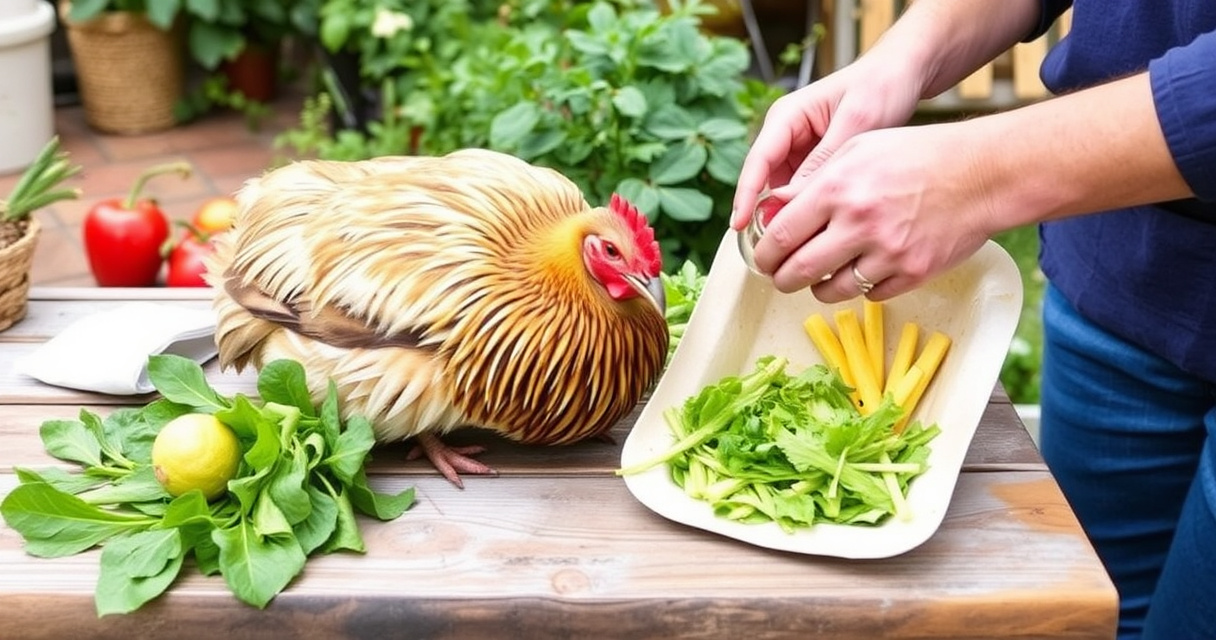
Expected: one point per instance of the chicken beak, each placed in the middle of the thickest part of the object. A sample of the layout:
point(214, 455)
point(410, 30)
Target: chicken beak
point(652, 289)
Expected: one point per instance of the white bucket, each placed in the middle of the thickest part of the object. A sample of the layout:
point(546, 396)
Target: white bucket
point(27, 113)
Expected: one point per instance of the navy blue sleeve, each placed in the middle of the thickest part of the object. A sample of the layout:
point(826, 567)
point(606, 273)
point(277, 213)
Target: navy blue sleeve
point(1183, 80)
point(1049, 10)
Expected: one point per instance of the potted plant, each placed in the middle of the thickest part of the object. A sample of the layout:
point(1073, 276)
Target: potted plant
point(128, 62)
point(25, 64)
point(38, 187)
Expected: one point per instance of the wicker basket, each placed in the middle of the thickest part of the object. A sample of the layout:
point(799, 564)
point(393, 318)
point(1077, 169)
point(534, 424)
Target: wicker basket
point(130, 73)
point(15, 261)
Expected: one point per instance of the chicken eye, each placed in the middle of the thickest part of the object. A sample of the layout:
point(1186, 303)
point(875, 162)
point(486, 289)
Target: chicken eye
point(611, 251)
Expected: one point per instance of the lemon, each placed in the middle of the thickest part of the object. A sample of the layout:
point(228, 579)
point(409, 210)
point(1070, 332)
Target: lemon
point(195, 451)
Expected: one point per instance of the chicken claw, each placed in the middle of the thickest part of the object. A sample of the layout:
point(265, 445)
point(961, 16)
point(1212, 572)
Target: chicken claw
point(450, 461)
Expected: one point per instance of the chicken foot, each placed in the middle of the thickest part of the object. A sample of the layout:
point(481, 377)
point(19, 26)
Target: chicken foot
point(448, 460)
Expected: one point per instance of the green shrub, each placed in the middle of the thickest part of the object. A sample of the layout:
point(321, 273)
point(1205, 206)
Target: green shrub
point(619, 97)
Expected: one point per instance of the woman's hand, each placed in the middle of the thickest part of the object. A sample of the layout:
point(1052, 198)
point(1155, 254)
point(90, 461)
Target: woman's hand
point(891, 208)
point(805, 128)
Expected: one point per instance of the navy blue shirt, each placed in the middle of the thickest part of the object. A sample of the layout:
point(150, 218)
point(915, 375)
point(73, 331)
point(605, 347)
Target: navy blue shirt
point(1146, 273)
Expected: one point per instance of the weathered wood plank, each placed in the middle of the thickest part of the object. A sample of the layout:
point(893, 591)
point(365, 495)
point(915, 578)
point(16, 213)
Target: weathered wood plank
point(578, 557)
point(46, 318)
point(18, 388)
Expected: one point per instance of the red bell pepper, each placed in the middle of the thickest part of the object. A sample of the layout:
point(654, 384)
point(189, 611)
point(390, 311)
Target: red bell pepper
point(123, 238)
point(187, 258)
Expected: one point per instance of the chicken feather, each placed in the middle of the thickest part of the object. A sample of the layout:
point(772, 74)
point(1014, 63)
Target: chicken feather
point(468, 290)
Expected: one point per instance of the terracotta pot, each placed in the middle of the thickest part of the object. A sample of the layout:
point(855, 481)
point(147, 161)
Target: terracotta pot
point(255, 72)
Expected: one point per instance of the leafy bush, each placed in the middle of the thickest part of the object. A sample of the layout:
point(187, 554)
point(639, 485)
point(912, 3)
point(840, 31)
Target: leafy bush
point(620, 97)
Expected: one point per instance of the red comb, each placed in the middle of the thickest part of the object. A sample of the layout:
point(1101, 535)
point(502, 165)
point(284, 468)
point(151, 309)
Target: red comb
point(643, 234)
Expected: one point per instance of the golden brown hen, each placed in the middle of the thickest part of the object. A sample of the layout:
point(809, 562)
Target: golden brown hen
point(472, 289)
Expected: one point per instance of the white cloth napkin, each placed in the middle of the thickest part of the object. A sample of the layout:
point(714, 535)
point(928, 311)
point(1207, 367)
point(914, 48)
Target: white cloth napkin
point(108, 351)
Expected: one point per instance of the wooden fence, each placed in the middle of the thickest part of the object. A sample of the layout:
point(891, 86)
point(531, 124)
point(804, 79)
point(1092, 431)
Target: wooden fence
point(1010, 80)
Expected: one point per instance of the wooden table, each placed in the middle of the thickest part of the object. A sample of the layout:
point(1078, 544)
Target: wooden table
point(556, 546)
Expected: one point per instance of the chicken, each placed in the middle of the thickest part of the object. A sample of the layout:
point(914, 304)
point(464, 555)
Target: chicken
point(469, 290)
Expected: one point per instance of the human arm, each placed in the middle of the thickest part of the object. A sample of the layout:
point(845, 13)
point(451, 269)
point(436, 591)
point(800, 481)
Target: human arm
point(904, 204)
point(932, 46)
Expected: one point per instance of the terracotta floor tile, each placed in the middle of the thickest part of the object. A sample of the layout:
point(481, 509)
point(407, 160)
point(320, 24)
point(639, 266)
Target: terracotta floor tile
point(118, 178)
point(58, 256)
point(149, 147)
point(243, 161)
point(223, 151)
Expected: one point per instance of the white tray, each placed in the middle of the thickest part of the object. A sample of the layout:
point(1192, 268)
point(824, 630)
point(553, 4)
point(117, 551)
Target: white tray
point(741, 317)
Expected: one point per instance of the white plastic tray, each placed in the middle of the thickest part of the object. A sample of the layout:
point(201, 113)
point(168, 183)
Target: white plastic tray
point(741, 317)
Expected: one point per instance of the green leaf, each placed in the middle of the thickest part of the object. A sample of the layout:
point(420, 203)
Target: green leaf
point(287, 487)
point(685, 205)
point(630, 102)
point(382, 506)
point(185, 509)
point(162, 13)
point(352, 448)
point(538, 143)
point(140, 485)
point(726, 161)
point(719, 129)
point(181, 380)
point(83, 10)
point(70, 440)
point(673, 49)
point(682, 161)
point(641, 195)
point(111, 453)
point(601, 18)
point(208, 10)
point(346, 536)
point(211, 44)
point(137, 568)
point(56, 524)
point(264, 453)
point(284, 382)
point(257, 569)
point(336, 28)
point(131, 432)
point(586, 43)
point(322, 520)
point(671, 122)
point(268, 519)
point(509, 127)
point(60, 479)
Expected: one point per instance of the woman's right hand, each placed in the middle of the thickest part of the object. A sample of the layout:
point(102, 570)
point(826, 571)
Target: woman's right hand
point(804, 128)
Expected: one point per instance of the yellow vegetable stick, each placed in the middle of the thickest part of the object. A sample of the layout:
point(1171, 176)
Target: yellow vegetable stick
point(853, 342)
point(905, 351)
point(928, 362)
point(829, 347)
point(872, 326)
point(906, 386)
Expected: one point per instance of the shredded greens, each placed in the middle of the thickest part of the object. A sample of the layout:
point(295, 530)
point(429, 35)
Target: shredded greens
point(682, 290)
point(792, 449)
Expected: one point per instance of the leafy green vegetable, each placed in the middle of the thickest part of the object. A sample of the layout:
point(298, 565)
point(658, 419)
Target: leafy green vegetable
point(301, 483)
point(682, 290)
point(772, 447)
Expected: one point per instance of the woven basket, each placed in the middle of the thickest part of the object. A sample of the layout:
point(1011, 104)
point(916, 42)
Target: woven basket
point(15, 261)
point(130, 73)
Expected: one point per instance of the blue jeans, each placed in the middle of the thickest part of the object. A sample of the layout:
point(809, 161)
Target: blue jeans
point(1125, 433)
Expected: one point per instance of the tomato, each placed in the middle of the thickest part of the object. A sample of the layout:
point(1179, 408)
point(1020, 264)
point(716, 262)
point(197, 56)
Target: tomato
point(216, 214)
point(187, 259)
point(123, 237)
